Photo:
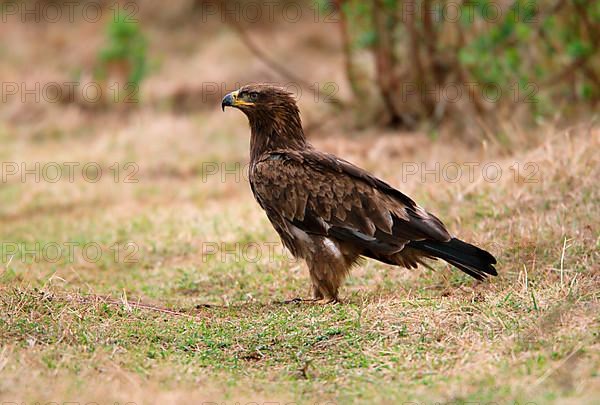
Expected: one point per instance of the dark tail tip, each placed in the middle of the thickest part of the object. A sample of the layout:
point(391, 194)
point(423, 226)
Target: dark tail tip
point(472, 260)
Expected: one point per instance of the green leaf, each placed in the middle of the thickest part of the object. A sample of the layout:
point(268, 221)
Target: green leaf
point(467, 56)
point(523, 31)
point(578, 49)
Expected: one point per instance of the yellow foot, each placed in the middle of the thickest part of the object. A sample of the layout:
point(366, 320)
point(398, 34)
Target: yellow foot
point(317, 301)
point(299, 301)
point(325, 301)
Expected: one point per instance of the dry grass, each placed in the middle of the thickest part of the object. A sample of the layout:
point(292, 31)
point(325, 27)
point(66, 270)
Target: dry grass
point(210, 327)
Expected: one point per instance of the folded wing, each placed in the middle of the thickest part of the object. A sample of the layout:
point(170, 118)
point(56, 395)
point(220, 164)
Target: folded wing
point(324, 195)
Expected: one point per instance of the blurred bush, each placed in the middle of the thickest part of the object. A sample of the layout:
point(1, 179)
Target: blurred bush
point(123, 59)
point(436, 59)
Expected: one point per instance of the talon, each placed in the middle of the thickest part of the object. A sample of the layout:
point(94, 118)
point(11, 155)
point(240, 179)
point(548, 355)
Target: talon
point(298, 300)
point(325, 301)
point(315, 301)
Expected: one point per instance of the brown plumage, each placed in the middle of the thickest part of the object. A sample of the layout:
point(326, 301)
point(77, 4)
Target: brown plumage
point(330, 212)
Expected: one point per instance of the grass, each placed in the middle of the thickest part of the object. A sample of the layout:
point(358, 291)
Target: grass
point(194, 315)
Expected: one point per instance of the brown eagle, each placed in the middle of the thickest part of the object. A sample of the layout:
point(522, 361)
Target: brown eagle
point(330, 212)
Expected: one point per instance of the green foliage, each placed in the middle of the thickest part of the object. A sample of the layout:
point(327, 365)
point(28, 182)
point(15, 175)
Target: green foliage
point(127, 45)
point(519, 48)
point(537, 53)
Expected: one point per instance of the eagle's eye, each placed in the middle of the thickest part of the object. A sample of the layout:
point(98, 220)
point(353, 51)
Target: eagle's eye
point(252, 96)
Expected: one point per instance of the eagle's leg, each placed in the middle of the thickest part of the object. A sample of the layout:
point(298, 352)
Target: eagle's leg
point(328, 263)
point(317, 298)
point(326, 280)
point(324, 286)
point(328, 269)
point(317, 294)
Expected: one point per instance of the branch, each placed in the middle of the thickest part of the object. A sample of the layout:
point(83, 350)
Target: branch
point(273, 64)
point(351, 73)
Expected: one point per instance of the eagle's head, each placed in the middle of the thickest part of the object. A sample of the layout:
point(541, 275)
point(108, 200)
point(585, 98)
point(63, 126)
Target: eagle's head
point(255, 99)
point(273, 115)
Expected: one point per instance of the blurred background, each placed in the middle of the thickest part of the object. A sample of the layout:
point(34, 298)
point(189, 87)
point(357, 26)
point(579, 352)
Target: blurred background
point(481, 66)
point(121, 180)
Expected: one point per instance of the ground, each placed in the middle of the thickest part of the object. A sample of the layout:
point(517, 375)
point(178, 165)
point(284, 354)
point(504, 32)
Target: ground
point(163, 280)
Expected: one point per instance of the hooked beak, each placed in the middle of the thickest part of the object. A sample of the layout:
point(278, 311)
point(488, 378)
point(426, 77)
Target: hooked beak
point(233, 100)
point(229, 100)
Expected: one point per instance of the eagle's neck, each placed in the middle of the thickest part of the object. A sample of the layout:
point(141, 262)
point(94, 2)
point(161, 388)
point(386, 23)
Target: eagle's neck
point(275, 130)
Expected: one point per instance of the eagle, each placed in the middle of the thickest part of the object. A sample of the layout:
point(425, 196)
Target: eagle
point(330, 212)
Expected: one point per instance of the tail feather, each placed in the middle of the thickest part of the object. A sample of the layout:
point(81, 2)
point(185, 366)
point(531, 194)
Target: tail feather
point(474, 261)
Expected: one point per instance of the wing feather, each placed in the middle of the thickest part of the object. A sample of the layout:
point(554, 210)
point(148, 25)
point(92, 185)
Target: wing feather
point(328, 196)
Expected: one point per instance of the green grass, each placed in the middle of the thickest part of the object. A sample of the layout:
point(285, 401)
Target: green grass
point(178, 322)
